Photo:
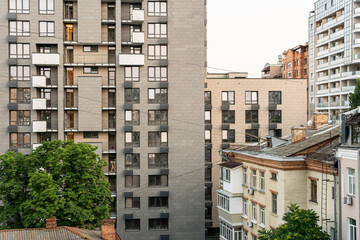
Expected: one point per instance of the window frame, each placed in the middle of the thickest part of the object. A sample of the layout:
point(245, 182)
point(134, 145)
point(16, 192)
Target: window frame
point(48, 32)
point(253, 118)
point(133, 183)
point(22, 31)
point(47, 10)
point(133, 223)
point(273, 116)
point(157, 30)
point(132, 117)
point(273, 100)
point(160, 117)
point(18, 9)
point(313, 190)
point(158, 135)
point(161, 180)
point(161, 224)
point(157, 52)
point(133, 199)
point(134, 162)
point(132, 73)
point(228, 97)
point(351, 184)
point(152, 9)
point(159, 95)
point(135, 139)
point(251, 101)
point(24, 52)
point(274, 202)
point(158, 160)
point(19, 70)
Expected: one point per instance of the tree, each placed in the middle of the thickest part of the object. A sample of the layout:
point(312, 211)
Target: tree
point(58, 179)
point(354, 98)
point(299, 224)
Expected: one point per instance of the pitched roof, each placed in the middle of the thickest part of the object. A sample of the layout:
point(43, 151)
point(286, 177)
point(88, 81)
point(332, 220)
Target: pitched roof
point(60, 233)
point(230, 164)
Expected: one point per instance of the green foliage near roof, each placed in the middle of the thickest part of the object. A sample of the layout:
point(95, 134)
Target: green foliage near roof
point(354, 98)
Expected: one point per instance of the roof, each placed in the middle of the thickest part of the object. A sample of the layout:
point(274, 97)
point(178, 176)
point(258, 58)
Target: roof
point(60, 233)
point(354, 120)
point(230, 164)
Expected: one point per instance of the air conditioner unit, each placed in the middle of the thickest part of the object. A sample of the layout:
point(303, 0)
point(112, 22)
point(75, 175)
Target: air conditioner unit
point(249, 223)
point(250, 191)
point(348, 200)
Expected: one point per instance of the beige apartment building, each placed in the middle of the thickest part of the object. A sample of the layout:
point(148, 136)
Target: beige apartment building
point(257, 186)
point(240, 109)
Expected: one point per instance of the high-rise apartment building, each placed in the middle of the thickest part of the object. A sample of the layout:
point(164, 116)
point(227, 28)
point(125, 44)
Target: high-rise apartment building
point(334, 46)
point(126, 76)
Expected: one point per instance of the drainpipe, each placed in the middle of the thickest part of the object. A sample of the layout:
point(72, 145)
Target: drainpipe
point(339, 176)
point(335, 223)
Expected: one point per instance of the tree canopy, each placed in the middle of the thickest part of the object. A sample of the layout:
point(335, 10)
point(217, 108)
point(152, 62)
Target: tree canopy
point(58, 179)
point(299, 224)
point(354, 98)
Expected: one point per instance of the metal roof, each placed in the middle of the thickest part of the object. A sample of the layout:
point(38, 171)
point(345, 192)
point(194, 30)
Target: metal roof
point(38, 234)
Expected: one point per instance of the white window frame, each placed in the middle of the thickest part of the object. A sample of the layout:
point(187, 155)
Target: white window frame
point(157, 74)
point(208, 135)
point(262, 215)
point(49, 26)
point(132, 74)
point(157, 51)
point(350, 181)
point(223, 202)
point(15, 8)
point(46, 7)
point(245, 176)
point(157, 30)
point(19, 50)
point(226, 174)
point(352, 229)
point(262, 181)
point(254, 179)
point(254, 214)
point(207, 116)
point(245, 207)
point(19, 28)
point(157, 8)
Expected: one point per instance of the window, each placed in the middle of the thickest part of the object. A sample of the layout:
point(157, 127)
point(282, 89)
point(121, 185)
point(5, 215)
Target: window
point(262, 216)
point(45, 71)
point(47, 29)
point(355, 134)
point(223, 201)
point(132, 95)
point(207, 117)
point(228, 116)
point(251, 135)
point(132, 117)
point(351, 181)
point(274, 203)
point(245, 235)
point(228, 97)
point(157, 95)
point(158, 160)
point(19, 28)
point(225, 174)
point(352, 229)
point(207, 97)
point(132, 224)
point(90, 48)
point(262, 181)
point(132, 139)
point(254, 179)
point(19, 73)
point(275, 97)
point(20, 140)
point(132, 181)
point(46, 6)
point(20, 118)
point(132, 161)
point(227, 232)
point(208, 174)
point(228, 136)
point(275, 116)
point(207, 136)
point(132, 74)
point(245, 176)
point(132, 202)
point(158, 224)
point(275, 133)
point(245, 207)
point(158, 202)
point(158, 180)
point(19, 6)
point(157, 8)
point(91, 134)
point(157, 30)
point(20, 95)
point(158, 117)
point(251, 116)
point(208, 155)
point(156, 52)
point(19, 50)
point(91, 70)
point(273, 176)
point(158, 139)
point(254, 216)
point(111, 76)
point(157, 74)
point(251, 97)
point(313, 193)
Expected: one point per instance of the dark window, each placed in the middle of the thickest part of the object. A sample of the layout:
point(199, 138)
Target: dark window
point(275, 133)
point(208, 174)
point(158, 180)
point(158, 95)
point(251, 135)
point(228, 97)
point(132, 117)
point(132, 95)
point(132, 139)
point(356, 135)
point(207, 97)
point(274, 97)
point(159, 224)
point(208, 193)
point(158, 160)
point(132, 161)
point(208, 155)
point(20, 95)
point(313, 196)
point(20, 118)
point(132, 225)
point(275, 116)
point(20, 140)
point(251, 116)
point(157, 139)
point(158, 202)
point(228, 116)
point(158, 117)
point(273, 176)
point(91, 134)
point(90, 48)
point(228, 136)
point(274, 203)
point(93, 70)
point(251, 97)
point(132, 181)
point(132, 202)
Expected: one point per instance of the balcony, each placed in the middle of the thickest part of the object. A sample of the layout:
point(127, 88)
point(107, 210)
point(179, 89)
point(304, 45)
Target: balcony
point(39, 126)
point(324, 104)
point(336, 48)
point(345, 104)
point(337, 34)
point(357, 27)
point(39, 104)
point(90, 60)
point(39, 81)
point(131, 59)
point(348, 89)
point(335, 76)
point(334, 104)
point(322, 52)
point(323, 91)
point(324, 39)
point(330, 23)
point(357, 12)
point(136, 16)
point(136, 38)
point(335, 90)
point(337, 61)
point(357, 57)
point(46, 59)
point(324, 78)
point(324, 65)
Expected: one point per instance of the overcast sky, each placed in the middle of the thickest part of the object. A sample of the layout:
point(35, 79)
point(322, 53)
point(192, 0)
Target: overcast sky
point(243, 35)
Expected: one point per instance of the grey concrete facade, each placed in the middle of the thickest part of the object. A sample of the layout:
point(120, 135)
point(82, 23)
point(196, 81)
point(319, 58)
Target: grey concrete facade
point(85, 99)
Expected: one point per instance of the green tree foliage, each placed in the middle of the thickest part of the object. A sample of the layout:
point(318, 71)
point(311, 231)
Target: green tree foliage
point(59, 179)
point(354, 98)
point(299, 224)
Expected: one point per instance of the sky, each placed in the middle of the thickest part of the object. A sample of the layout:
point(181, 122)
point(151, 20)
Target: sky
point(243, 35)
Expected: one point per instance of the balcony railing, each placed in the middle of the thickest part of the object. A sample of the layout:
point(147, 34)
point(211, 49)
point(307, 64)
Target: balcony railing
point(323, 39)
point(348, 89)
point(131, 59)
point(324, 104)
point(136, 15)
point(324, 78)
point(337, 34)
point(90, 59)
point(46, 59)
point(323, 91)
point(345, 103)
point(338, 47)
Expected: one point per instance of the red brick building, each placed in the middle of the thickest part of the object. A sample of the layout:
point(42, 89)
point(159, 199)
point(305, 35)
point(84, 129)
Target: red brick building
point(295, 62)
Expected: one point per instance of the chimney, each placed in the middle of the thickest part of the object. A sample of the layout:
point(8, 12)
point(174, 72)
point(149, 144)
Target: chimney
point(297, 134)
point(51, 223)
point(108, 229)
point(319, 120)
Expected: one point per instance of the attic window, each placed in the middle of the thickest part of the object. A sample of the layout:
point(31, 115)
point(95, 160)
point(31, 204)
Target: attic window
point(356, 134)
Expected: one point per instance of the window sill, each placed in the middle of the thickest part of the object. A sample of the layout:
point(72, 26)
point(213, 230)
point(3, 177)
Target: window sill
point(312, 201)
point(244, 216)
point(261, 191)
point(274, 214)
point(253, 221)
point(261, 225)
point(245, 185)
point(274, 179)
